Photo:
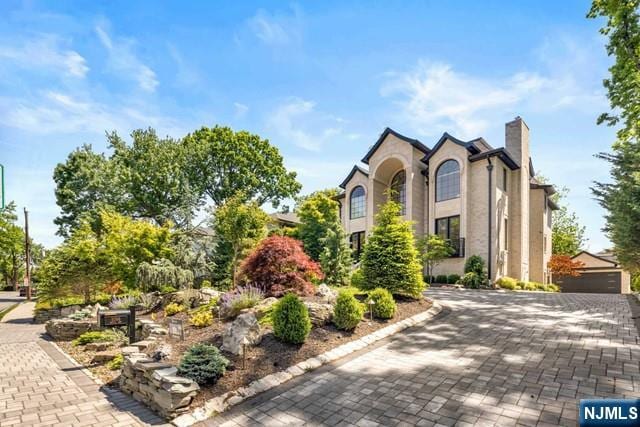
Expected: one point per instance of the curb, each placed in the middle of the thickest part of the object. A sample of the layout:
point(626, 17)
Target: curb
point(75, 363)
point(221, 403)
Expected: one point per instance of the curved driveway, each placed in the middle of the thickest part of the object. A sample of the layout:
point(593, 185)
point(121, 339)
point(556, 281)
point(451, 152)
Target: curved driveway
point(496, 358)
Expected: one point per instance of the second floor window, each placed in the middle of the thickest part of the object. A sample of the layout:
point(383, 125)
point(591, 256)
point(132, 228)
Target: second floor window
point(357, 203)
point(399, 190)
point(449, 229)
point(448, 181)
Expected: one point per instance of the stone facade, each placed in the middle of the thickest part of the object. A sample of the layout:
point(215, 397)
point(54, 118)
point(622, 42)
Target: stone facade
point(67, 329)
point(501, 209)
point(44, 315)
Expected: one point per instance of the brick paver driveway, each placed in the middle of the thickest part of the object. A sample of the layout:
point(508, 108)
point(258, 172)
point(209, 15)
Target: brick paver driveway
point(40, 387)
point(495, 359)
point(9, 298)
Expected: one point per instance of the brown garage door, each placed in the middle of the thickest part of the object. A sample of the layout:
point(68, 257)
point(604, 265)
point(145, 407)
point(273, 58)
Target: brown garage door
point(604, 283)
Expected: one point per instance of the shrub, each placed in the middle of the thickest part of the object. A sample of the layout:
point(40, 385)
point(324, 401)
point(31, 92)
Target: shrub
point(540, 286)
point(202, 319)
point(290, 319)
point(108, 335)
point(527, 286)
point(441, 278)
point(385, 306)
point(553, 288)
point(147, 301)
point(205, 284)
point(390, 259)
point(279, 265)
point(167, 289)
point(240, 298)
point(347, 312)
point(507, 282)
point(190, 297)
point(471, 280)
point(357, 278)
point(453, 278)
point(116, 363)
point(173, 308)
point(203, 363)
point(122, 303)
point(474, 264)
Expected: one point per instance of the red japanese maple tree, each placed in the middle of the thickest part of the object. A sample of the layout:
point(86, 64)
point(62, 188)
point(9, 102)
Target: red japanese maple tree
point(564, 265)
point(279, 265)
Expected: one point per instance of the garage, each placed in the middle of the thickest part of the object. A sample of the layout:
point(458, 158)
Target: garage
point(601, 274)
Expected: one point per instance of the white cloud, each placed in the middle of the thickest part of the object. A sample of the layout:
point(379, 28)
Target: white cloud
point(241, 109)
point(297, 121)
point(123, 60)
point(44, 53)
point(187, 74)
point(277, 29)
point(434, 97)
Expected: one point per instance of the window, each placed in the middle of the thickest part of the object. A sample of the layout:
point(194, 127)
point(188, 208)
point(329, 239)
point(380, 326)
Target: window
point(356, 241)
point(357, 203)
point(340, 211)
point(399, 190)
point(449, 229)
point(549, 214)
point(505, 235)
point(448, 181)
point(544, 242)
point(504, 179)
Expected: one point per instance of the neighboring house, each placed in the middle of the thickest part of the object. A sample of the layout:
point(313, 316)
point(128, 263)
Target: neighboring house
point(484, 200)
point(601, 274)
point(285, 221)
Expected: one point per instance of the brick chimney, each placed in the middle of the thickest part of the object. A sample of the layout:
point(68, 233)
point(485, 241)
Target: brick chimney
point(517, 144)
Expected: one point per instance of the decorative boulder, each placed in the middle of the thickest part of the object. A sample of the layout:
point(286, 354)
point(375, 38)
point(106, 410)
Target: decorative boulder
point(244, 330)
point(208, 294)
point(328, 294)
point(320, 314)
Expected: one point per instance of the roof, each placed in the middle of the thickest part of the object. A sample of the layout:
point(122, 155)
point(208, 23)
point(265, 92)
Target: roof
point(355, 169)
point(500, 153)
point(414, 142)
point(469, 145)
point(606, 257)
point(285, 217)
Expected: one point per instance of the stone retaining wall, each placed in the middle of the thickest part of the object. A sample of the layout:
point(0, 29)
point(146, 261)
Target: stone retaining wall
point(156, 385)
point(67, 329)
point(46, 314)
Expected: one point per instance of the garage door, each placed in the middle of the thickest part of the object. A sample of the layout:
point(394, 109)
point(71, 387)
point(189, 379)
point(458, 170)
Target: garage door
point(607, 283)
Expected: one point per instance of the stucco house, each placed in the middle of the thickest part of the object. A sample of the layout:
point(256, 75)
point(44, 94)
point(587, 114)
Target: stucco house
point(484, 200)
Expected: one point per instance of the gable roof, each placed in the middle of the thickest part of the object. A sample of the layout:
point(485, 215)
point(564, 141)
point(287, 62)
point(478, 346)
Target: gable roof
point(355, 169)
point(414, 142)
point(500, 153)
point(609, 258)
point(469, 145)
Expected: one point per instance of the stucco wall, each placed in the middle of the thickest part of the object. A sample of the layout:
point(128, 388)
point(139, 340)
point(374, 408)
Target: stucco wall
point(590, 261)
point(537, 229)
point(358, 224)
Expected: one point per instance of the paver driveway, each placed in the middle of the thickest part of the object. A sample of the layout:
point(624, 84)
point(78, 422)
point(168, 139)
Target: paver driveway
point(495, 359)
point(40, 387)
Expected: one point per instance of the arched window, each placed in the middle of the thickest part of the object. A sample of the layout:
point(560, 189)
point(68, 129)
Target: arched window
point(448, 181)
point(399, 190)
point(357, 203)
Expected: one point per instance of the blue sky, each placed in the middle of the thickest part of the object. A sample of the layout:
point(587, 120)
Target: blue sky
point(321, 80)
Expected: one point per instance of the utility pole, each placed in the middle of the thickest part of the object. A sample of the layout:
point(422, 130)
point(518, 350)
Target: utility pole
point(27, 254)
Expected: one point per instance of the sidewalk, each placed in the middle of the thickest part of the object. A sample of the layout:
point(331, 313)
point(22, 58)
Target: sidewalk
point(40, 386)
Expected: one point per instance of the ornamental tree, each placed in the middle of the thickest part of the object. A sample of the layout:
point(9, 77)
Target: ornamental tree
point(318, 213)
point(390, 259)
point(335, 257)
point(564, 265)
point(433, 250)
point(279, 265)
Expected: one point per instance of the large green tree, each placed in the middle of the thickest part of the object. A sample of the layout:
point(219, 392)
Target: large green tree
point(390, 259)
point(239, 226)
point(12, 261)
point(621, 196)
point(223, 163)
point(317, 212)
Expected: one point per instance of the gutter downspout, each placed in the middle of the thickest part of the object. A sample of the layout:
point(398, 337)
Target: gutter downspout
point(489, 261)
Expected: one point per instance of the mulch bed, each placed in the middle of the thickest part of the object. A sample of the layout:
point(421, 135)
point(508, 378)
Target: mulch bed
point(269, 357)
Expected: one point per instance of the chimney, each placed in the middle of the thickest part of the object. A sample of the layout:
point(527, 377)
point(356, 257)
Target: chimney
point(517, 141)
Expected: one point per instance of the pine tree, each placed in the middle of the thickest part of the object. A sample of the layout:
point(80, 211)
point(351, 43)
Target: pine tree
point(390, 259)
point(335, 258)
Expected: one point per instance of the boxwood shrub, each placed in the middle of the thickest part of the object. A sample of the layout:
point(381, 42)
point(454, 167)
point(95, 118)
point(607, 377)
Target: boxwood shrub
point(348, 311)
point(290, 319)
point(385, 306)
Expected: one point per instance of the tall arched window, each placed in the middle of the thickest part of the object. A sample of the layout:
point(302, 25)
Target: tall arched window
point(357, 203)
point(399, 190)
point(448, 181)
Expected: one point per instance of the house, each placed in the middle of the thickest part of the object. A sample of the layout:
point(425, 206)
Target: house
point(600, 273)
point(486, 201)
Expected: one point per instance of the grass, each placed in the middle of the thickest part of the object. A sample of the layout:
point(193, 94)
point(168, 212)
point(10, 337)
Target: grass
point(7, 310)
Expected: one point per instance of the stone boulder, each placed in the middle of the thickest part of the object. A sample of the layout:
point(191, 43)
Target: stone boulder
point(263, 308)
point(244, 330)
point(320, 314)
point(326, 293)
point(208, 294)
